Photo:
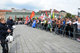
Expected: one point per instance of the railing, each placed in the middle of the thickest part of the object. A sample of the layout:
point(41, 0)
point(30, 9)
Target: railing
point(62, 30)
point(74, 31)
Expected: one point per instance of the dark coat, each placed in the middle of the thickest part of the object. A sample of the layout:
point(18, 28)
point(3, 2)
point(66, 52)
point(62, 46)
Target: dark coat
point(3, 31)
point(10, 23)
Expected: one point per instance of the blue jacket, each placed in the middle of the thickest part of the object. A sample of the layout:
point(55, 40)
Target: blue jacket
point(34, 24)
point(64, 22)
point(3, 31)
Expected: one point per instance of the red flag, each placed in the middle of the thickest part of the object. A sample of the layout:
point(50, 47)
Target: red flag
point(32, 14)
point(27, 18)
point(41, 17)
point(46, 14)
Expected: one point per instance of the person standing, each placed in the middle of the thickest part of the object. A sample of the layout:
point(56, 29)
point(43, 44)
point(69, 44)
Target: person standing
point(10, 23)
point(4, 31)
point(34, 24)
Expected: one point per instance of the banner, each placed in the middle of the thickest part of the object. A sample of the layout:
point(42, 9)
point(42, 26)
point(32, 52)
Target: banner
point(27, 18)
point(32, 14)
point(46, 13)
point(53, 14)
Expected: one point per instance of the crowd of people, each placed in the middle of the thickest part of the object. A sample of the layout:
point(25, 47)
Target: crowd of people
point(5, 30)
point(65, 26)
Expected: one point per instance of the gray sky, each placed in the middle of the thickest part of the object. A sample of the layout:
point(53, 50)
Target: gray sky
point(67, 5)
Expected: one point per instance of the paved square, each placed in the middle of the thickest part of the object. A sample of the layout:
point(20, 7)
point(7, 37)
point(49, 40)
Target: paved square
point(32, 40)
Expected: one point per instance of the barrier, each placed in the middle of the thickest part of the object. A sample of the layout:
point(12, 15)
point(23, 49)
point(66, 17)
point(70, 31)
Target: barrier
point(65, 30)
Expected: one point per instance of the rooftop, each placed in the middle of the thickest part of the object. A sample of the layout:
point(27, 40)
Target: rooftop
point(5, 10)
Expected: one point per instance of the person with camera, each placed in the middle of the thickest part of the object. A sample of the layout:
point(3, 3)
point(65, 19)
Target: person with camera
point(4, 31)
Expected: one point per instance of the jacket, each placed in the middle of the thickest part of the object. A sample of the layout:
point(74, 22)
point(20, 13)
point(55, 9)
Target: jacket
point(3, 31)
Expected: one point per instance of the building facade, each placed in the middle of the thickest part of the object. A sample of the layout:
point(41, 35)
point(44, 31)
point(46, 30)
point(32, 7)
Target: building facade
point(3, 13)
point(17, 14)
point(62, 13)
point(57, 14)
point(21, 15)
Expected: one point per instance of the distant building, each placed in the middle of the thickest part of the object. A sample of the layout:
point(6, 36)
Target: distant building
point(56, 13)
point(17, 14)
point(43, 11)
point(20, 14)
point(18, 10)
point(63, 13)
point(3, 13)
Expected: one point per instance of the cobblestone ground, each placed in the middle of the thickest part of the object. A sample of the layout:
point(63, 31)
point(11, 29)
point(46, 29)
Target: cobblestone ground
point(31, 40)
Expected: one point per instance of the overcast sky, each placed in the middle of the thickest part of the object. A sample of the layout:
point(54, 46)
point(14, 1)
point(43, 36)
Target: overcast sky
point(67, 5)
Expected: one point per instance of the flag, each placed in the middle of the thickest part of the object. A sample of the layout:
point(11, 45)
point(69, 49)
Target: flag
point(49, 16)
point(32, 14)
point(42, 16)
point(46, 13)
point(34, 24)
point(27, 18)
point(53, 14)
point(36, 17)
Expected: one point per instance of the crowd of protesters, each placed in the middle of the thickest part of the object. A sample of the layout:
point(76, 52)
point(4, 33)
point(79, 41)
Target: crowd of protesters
point(5, 30)
point(65, 26)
